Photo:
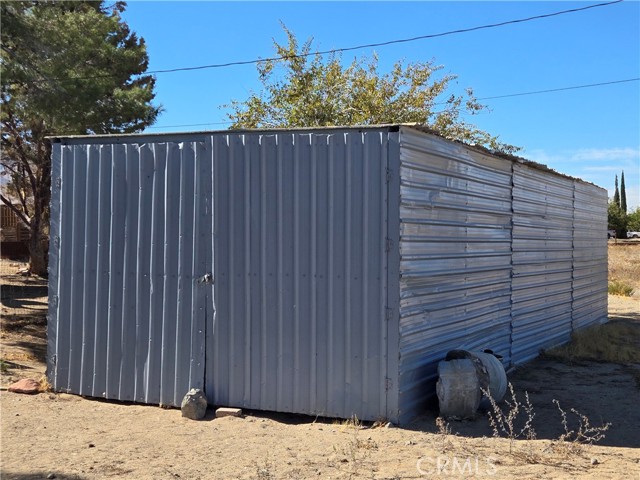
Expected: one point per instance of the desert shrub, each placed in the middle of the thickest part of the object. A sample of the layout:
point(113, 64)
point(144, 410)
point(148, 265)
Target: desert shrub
point(617, 287)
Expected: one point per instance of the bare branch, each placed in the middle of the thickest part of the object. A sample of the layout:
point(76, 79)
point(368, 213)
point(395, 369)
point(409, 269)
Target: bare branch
point(15, 210)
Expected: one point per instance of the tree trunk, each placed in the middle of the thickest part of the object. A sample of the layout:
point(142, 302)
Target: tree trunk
point(38, 251)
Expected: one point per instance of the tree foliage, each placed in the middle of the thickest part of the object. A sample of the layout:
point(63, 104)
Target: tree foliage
point(303, 89)
point(67, 67)
point(633, 220)
point(616, 193)
point(623, 194)
point(617, 219)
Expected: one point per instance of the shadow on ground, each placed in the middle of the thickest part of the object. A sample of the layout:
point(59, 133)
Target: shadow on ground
point(30, 296)
point(38, 476)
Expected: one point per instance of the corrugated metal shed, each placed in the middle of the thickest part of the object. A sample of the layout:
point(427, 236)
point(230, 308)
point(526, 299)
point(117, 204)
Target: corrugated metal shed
point(319, 271)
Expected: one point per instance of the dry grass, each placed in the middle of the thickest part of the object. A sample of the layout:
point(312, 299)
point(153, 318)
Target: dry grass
point(624, 264)
point(617, 287)
point(614, 342)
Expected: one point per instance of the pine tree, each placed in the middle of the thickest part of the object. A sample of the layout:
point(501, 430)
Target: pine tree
point(623, 195)
point(65, 68)
point(616, 195)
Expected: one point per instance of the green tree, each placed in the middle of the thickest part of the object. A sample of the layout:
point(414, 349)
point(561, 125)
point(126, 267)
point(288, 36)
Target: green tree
point(633, 220)
point(616, 193)
point(623, 194)
point(67, 68)
point(617, 219)
point(303, 89)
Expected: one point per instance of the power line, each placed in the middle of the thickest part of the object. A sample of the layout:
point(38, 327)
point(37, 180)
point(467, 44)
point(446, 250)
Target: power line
point(535, 92)
point(357, 47)
point(560, 89)
point(390, 42)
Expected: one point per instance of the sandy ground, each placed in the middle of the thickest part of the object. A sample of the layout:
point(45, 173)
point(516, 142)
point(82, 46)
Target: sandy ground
point(63, 436)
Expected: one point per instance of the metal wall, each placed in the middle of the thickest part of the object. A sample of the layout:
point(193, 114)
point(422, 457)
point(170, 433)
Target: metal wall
point(324, 271)
point(293, 228)
point(300, 273)
point(590, 268)
point(494, 253)
point(543, 251)
point(129, 232)
point(455, 258)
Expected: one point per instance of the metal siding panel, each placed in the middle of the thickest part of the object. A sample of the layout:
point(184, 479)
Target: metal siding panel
point(542, 261)
point(455, 258)
point(77, 280)
point(144, 251)
point(590, 269)
point(90, 267)
point(54, 319)
point(204, 308)
point(391, 297)
point(156, 276)
point(113, 201)
point(337, 362)
point(169, 273)
point(99, 387)
point(115, 272)
point(129, 246)
point(187, 210)
point(63, 348)
point(216, 353)
point(300, 318)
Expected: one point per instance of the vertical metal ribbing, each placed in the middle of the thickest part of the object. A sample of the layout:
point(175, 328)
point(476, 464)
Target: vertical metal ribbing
point(99, 387)
point(77, 269)
point(511, 282)
point(54, 319)
point(156, 276)
point(129, 319)
point(88, 361)
point(144, 250)
point(313, 367)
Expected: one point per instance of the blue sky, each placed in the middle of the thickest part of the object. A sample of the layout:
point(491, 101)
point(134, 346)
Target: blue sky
point(590, 133)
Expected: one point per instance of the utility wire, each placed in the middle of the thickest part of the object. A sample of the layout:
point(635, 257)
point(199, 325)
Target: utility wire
point(357, 47)
point(560, 89)
point(390, 42)
point(535, 92)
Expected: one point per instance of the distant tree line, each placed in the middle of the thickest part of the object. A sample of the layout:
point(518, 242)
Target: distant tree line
point(619, 219)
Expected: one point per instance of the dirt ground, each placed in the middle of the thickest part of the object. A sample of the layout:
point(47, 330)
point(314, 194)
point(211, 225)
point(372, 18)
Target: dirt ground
point(62, 436)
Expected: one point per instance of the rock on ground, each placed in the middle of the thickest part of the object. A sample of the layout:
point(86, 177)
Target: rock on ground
point(194, 404)
point(26, 385)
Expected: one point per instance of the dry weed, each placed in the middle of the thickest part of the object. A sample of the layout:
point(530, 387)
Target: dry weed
point(443, 435)
point(356, 453)
point(573, 440)
point(45, 386)
point(265, 470)
point(505, 422)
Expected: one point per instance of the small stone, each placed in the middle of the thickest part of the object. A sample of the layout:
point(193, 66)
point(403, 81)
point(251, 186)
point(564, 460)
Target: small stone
point(51, 475)
point(410, 442)
point(388, 425)
point(229, 412)
point(91, 445)
point(594, 461)
point(194, 404)
point(26, 385)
